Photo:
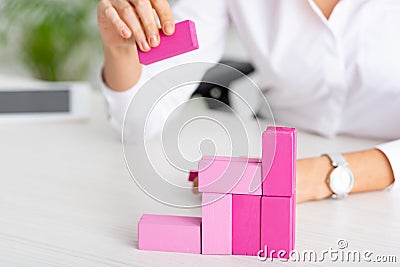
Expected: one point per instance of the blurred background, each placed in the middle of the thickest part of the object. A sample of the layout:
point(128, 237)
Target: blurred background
point(52, 40)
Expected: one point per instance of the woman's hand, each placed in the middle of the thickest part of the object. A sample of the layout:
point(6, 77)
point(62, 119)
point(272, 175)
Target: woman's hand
point(124, 26)
point(120, 20)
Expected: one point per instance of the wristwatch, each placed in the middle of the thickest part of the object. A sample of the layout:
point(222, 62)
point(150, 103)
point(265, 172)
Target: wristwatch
point(341, 179)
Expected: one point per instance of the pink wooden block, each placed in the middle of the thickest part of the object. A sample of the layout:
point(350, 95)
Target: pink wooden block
point(170, 233)
point(279, 161)
point(278, 226)
point(232, 175)
point(216, 224)
point(183, 40)
point(246, 229)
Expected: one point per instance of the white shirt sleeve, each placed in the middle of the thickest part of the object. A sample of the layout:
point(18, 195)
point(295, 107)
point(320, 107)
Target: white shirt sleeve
point(392, 152)
point(212, 24)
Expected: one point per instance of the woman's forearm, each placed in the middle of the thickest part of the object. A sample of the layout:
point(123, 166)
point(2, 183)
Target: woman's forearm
point(371, 169)
point(122, 69)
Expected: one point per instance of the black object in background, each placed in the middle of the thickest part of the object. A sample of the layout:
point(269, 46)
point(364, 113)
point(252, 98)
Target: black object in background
point(224, 77)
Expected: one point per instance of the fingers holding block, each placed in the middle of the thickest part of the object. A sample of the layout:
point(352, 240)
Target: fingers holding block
point(183, 40)
point(170, 233)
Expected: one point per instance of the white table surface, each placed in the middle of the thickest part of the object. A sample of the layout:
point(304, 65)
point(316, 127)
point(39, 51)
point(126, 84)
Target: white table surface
point(67, 199)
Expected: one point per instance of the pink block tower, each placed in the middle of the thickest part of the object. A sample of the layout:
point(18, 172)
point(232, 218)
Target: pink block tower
point(248, 205)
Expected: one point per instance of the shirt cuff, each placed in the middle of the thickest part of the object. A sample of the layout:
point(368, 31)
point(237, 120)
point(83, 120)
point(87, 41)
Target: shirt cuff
point(112, 95)
point(392, 152)
point(117, 102)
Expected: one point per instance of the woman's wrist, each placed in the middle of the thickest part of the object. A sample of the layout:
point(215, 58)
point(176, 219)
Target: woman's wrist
point(122, 69)
point(312, 174)
point(119, 49)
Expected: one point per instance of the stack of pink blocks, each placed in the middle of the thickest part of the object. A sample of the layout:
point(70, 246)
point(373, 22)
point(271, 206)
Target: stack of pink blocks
point(248, 205)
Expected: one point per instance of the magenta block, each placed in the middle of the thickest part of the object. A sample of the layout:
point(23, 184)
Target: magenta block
point(192, 175)
point(279, 161)
point(232, 175)
point(170, 233)
point(216, 224)
point(183, 40)
point(246, 229)
point(278, 226)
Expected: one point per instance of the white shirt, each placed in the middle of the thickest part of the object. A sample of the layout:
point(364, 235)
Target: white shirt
point(331, 76)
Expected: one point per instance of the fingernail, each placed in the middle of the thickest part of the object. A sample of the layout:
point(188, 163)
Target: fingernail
point(145, 46)
point(126, 33)
point(168, 28)
point(154, 40)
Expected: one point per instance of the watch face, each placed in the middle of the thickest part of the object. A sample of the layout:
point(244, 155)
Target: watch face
point(341, 180)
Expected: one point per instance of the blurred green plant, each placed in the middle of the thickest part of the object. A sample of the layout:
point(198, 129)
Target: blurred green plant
point(55, 39)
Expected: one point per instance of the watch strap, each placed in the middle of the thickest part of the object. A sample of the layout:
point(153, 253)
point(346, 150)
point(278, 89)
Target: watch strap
point(336, 159)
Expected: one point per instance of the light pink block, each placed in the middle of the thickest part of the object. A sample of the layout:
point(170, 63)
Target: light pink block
point(279, 161)
point(183, 40)
point(232, 175)
point(246, 229)
point(216, 224)
point(170, 233)
point(278, 226)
